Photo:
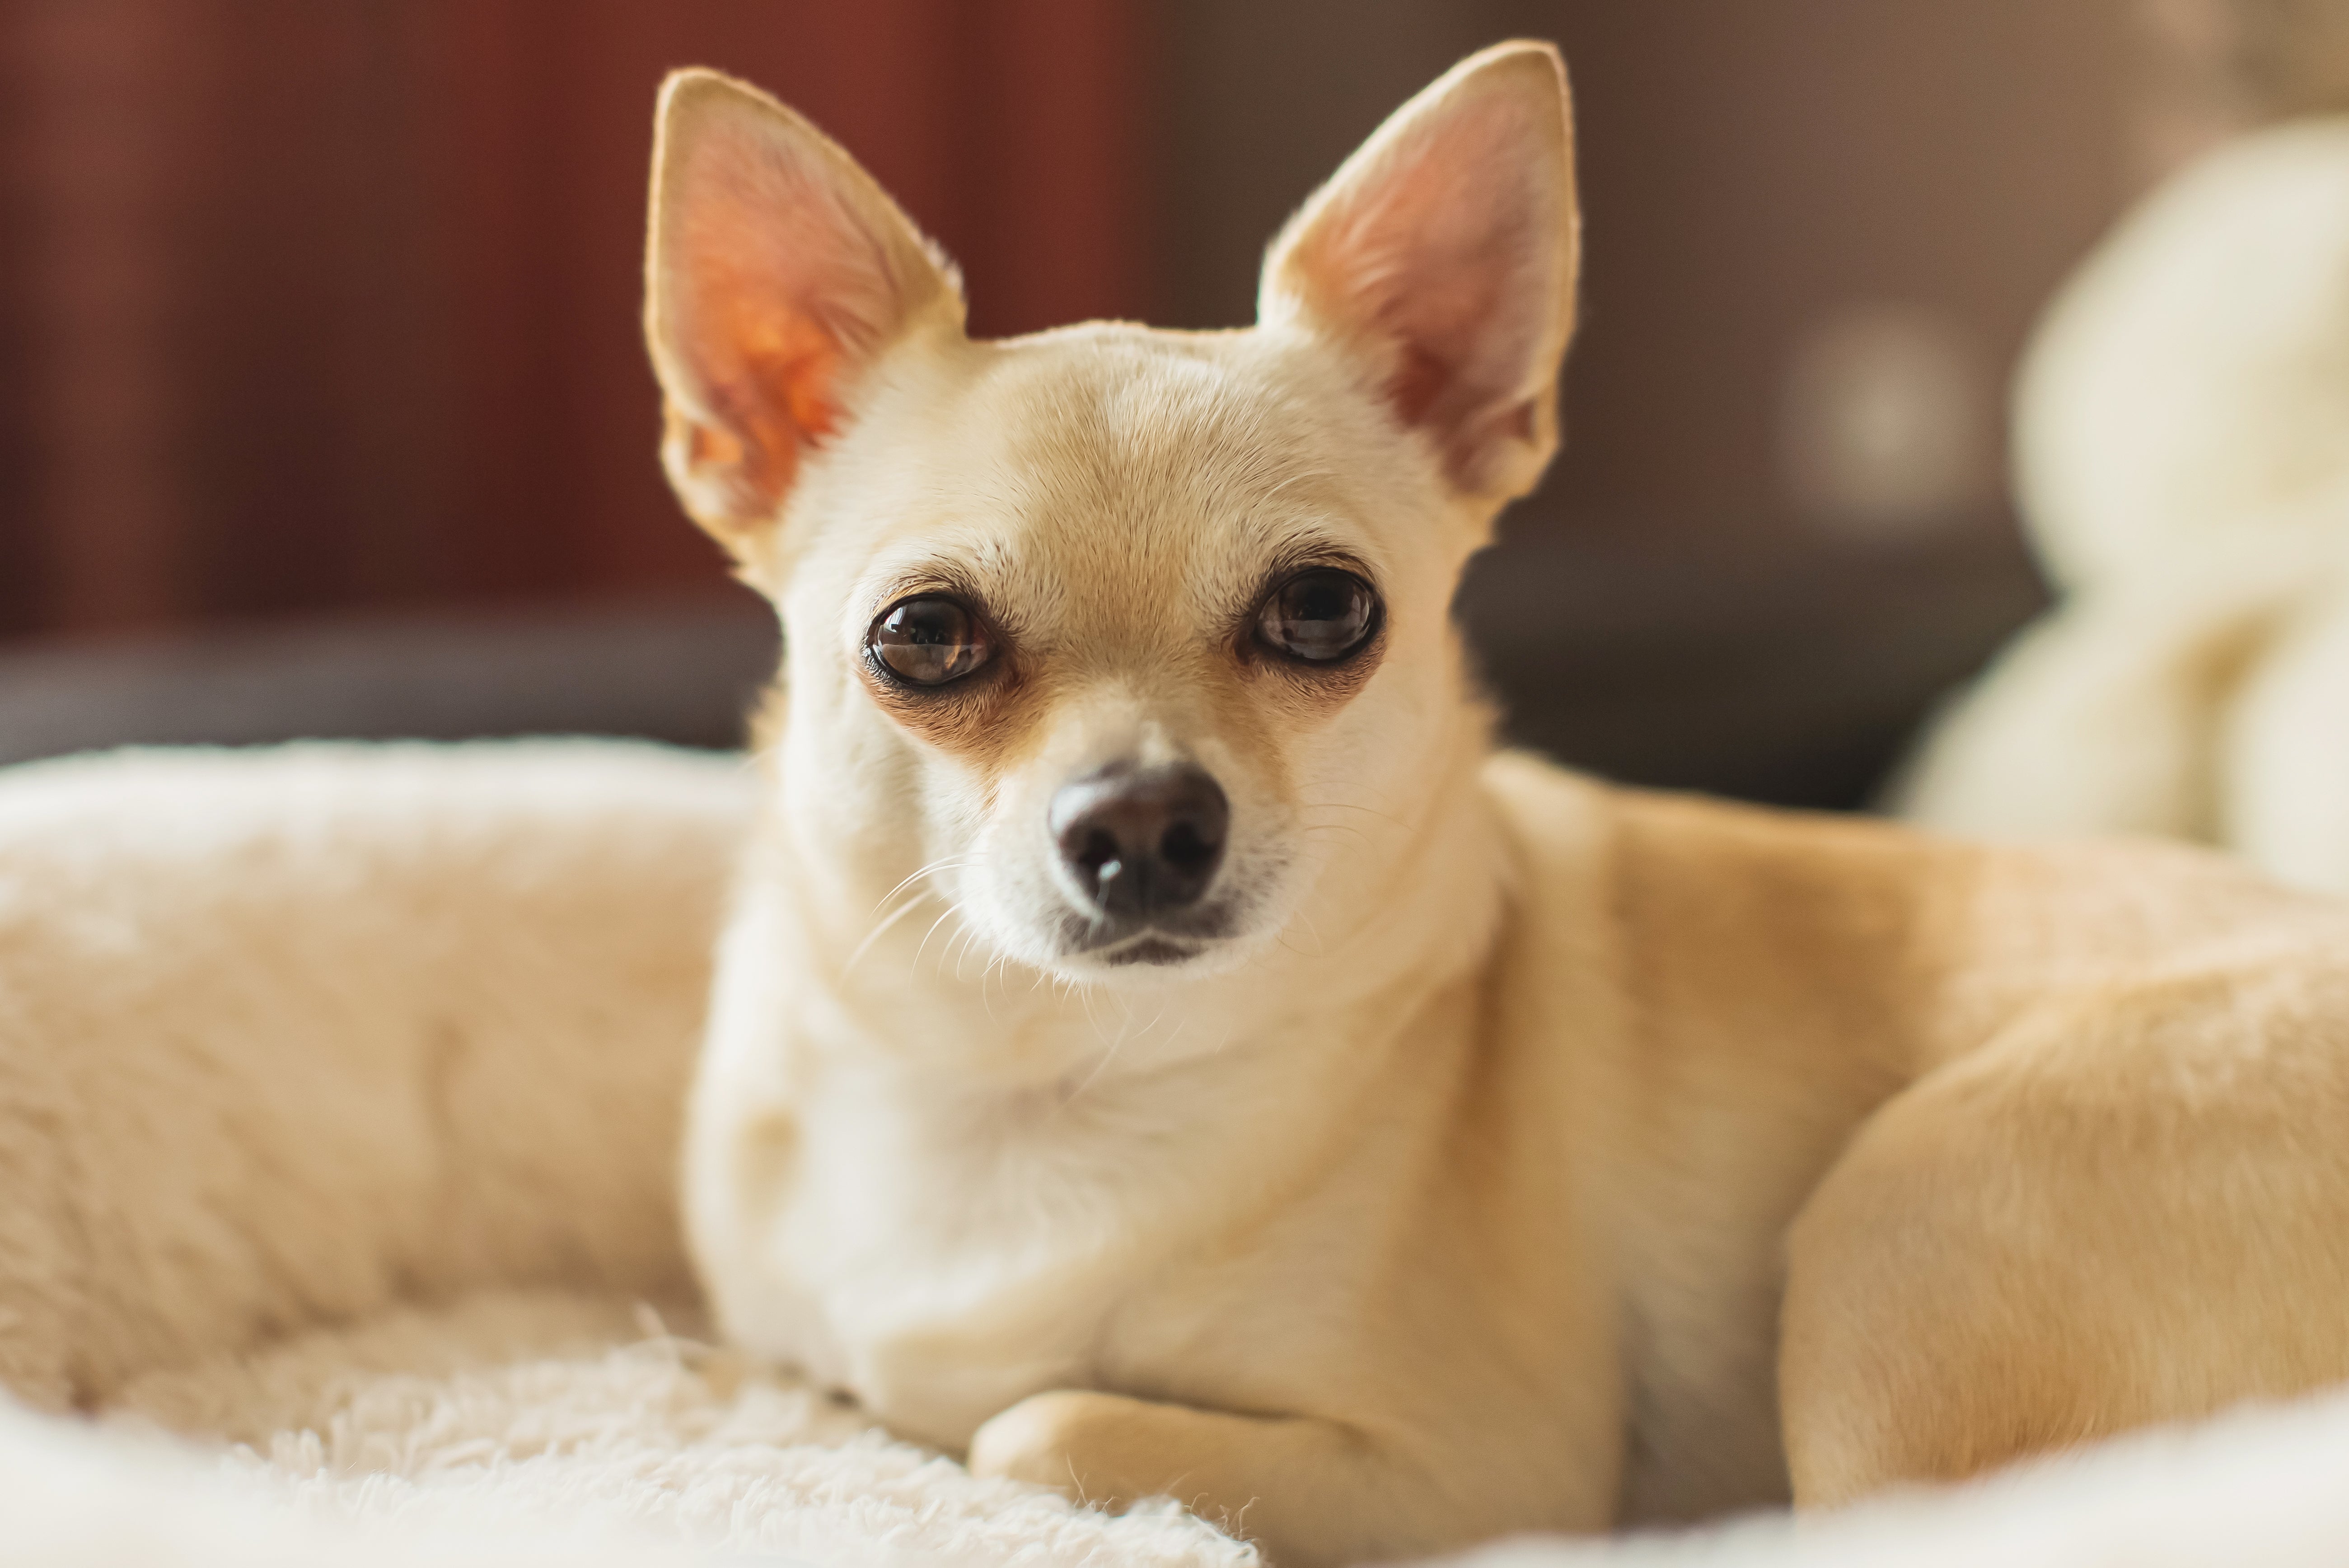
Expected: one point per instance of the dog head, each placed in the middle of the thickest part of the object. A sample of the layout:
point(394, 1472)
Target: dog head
point(1130, 640)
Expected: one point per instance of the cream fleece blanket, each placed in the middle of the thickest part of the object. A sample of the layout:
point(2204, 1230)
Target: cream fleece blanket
point(338, 1095)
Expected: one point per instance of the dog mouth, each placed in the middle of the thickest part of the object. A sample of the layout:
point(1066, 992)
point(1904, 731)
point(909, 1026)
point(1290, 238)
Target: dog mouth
point(1160, 942)
point(1149, 949)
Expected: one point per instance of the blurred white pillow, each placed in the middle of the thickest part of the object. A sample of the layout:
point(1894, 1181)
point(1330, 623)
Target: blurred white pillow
point(2182, 466)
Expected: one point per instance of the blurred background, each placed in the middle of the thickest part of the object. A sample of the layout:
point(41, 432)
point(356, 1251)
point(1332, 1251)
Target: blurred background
point(323, 409)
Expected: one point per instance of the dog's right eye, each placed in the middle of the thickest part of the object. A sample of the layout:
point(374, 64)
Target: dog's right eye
point(928, 642)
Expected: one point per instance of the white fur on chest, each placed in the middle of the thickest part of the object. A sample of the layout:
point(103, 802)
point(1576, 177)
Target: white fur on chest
point(942, 1244)
point(961, 1253)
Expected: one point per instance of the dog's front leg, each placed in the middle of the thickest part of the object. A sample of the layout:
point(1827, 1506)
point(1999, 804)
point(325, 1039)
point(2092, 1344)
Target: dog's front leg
point(1309, 1491)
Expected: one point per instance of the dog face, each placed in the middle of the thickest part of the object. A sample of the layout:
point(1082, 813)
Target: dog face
point(1128, 639)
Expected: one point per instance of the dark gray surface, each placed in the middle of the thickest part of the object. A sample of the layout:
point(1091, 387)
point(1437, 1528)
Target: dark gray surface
point(684, 672)
point(1791, 675)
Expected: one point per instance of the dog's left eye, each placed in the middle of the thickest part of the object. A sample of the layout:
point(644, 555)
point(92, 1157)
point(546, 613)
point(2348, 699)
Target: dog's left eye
point(929, 641)
point(1319, 616)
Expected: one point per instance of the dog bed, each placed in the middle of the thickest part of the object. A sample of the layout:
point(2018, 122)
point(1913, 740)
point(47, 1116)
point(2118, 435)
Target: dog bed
point(339, 1093)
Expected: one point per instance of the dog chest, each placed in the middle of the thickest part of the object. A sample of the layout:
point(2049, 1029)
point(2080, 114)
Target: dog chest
point(943, 1260)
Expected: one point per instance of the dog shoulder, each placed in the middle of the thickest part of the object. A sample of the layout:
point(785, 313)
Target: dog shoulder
point(1674, 859)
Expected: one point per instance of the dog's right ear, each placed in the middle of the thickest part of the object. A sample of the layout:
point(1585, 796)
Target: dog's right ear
point(776, 273)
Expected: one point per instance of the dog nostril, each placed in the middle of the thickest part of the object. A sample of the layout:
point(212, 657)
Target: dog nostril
point(1098, 854)
point(1185, 850)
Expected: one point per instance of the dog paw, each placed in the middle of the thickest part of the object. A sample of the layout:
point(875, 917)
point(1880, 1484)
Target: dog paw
point(1044, 1439)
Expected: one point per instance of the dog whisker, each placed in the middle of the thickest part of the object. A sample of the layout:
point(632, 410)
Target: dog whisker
point(951, 909)
point(1001, 961)
point(968, 940)
point(1312, 927)
point(947, 863)
point(1085, 1000)
point(1099, 1068)
point(1110, 1054)
point(1349, 806)
point(944, 863)
point(875, 935)
point(958, 942)
point(1312, 828)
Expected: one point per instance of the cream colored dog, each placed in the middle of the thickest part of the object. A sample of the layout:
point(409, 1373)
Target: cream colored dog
point(1160, 1049)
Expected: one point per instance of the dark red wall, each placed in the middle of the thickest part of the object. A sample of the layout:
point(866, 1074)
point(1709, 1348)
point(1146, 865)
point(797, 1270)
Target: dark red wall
point(309, 305)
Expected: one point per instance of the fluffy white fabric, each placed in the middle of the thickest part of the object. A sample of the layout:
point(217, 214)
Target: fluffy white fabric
point(517, 1429)
point(587, 1420)
point(292, 1042)
point(2182, 465)
point(337, 1093)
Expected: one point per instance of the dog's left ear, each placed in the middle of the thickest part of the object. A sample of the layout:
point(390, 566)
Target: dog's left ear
point(777, 273)
point(1444, 251)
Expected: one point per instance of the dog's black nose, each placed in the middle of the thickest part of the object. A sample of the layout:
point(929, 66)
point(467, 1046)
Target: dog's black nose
point(1142, 840)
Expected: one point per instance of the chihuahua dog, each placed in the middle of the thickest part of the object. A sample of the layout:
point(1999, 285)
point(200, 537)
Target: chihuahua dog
point(1160, 1048)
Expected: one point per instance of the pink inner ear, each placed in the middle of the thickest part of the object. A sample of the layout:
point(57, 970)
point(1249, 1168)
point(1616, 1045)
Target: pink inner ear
point(1447, 251)
point(776, 286)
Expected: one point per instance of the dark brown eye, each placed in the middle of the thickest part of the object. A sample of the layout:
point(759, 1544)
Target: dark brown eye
point(928, 642)
point(1319, 616)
